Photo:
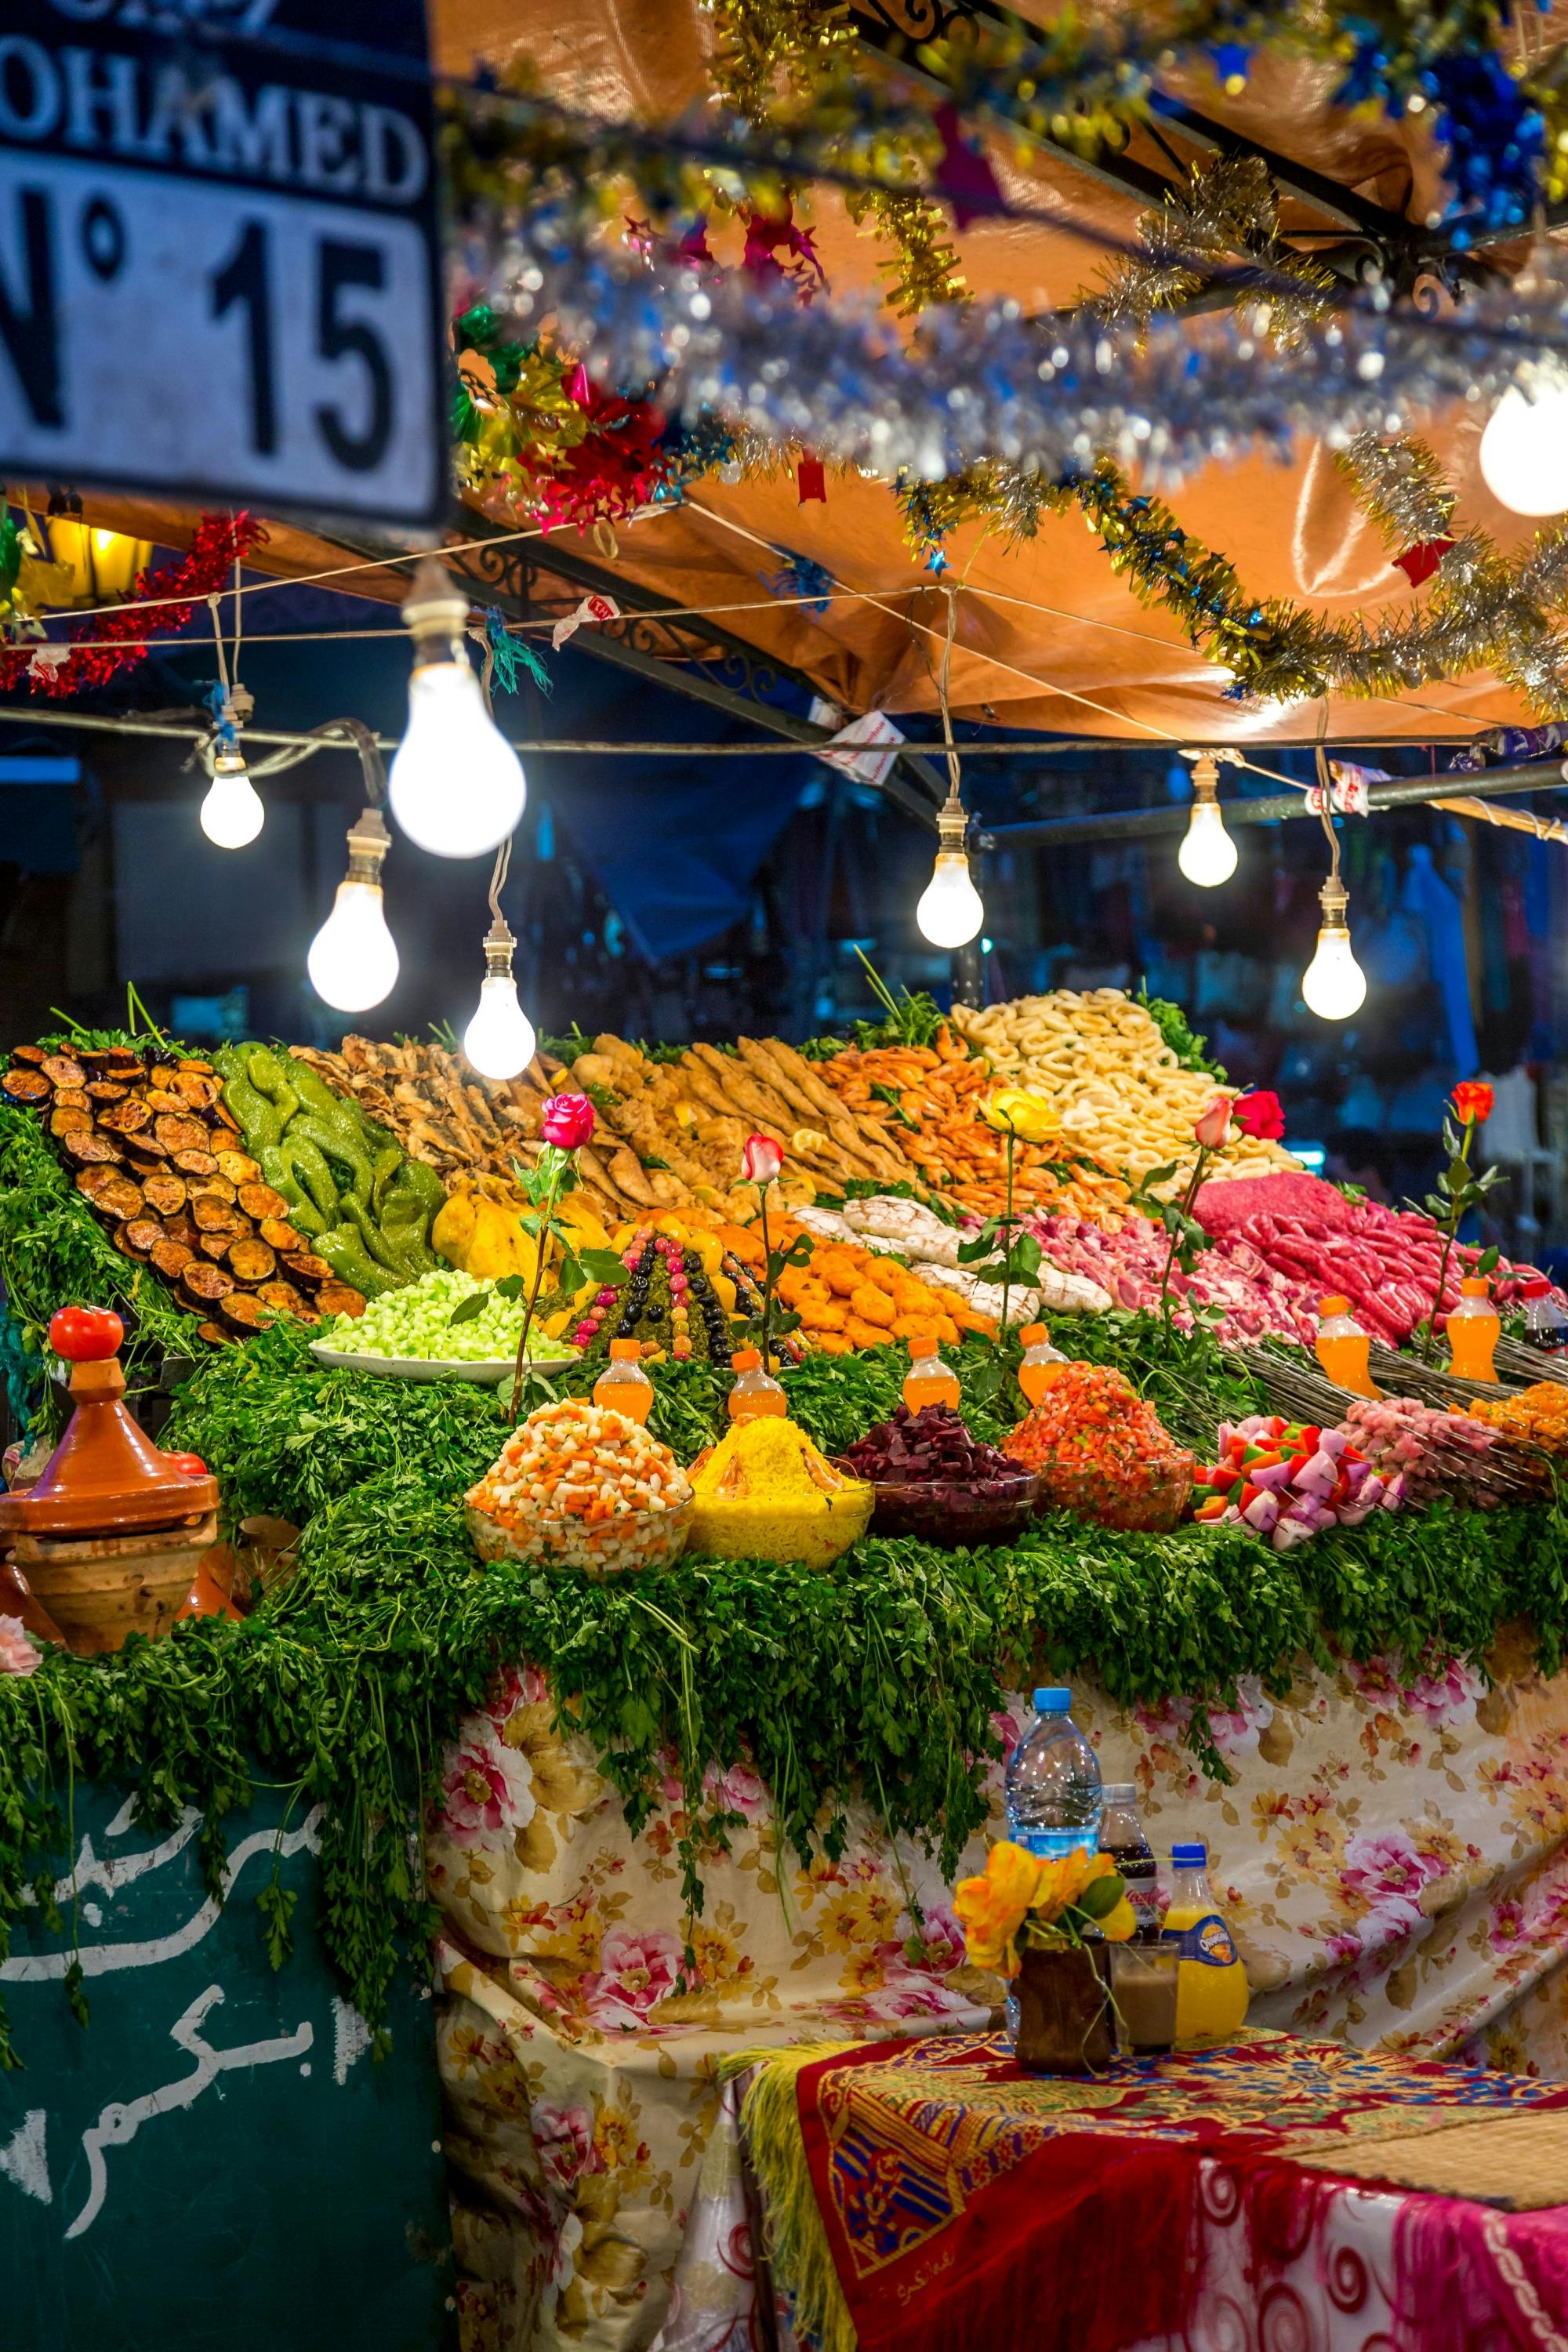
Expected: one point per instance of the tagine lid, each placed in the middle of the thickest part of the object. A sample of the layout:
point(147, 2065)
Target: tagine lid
point(105, 1477)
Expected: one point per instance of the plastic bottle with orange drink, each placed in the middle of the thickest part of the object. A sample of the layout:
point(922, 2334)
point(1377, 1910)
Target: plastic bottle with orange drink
point(928, 1381)
point(755, 1394)
point(1343, 1348)
point(1212, 1990)
point(623, 1386)
point(1474, 1326)
point(1041, 1364)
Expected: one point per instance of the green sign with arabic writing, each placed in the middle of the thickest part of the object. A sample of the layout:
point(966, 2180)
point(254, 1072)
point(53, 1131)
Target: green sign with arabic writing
point(215, 2158)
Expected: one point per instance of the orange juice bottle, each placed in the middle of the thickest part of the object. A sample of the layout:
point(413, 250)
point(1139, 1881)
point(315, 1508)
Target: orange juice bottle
point(1212, 1990)
point(1342, 1346)
point(1473, 1328)
point(928, 1380)
point(623, 1386)
point(1038, 1368)
point(756, 1392)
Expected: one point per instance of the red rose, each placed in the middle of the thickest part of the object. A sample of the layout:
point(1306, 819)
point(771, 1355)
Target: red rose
point(1259, 1116)
point(567, 1120)
point(1472, 1101)
point(761, 1161)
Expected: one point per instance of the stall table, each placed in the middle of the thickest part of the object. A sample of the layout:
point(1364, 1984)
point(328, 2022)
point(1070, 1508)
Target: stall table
point(923, 2194)
point(1389, 1850)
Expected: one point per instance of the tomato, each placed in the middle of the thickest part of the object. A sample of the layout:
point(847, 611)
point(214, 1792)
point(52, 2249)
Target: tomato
point(86, 1335)
point(189, 1465)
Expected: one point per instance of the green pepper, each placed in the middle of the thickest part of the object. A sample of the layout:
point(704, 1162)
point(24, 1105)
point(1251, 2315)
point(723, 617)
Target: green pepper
point(372, 1239)
point(385, 1160)
point(405, 1215)
point(402, 1240)
point(327, 1138)
point(268, 1076)
point(260, 1122)
point(340, 1245)
point(278, 1171)
point(310, 1170)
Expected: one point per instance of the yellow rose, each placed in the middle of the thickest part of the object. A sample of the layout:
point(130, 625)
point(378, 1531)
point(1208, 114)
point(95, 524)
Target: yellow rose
point(1029, 1117)
point(992, 1908)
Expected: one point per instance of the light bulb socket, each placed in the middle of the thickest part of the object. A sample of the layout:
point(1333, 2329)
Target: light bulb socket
point(229, 761)
point(499, 945)
point(951, 827)
point(1206, 779)
point(435, 613)
point(1333, 899)
point(369, 842)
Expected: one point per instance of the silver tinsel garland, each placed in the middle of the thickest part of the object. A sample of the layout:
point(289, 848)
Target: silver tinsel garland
point(986, 381)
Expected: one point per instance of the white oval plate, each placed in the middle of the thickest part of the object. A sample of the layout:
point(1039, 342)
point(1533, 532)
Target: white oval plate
point(412, 1368)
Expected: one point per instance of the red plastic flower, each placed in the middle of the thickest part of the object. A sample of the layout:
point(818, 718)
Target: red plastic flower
point(1472, 1101)
point(567, 1120)
point(1259, 1116)
point(761, 1161)
point(1212, 1126)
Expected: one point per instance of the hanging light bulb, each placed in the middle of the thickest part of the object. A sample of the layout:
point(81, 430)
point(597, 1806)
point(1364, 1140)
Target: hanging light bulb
point(456, 786)
point(1334, 983)
point(950, 910)
point(1207, 854)
point(233, 812)
point(1524, 449)
point(353, 962)
point(500, 1039)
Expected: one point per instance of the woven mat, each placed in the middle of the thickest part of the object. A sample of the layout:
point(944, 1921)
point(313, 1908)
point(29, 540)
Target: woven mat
point(1518, 2162)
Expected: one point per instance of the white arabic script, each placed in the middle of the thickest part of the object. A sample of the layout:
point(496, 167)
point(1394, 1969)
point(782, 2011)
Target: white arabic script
point(119, 2123)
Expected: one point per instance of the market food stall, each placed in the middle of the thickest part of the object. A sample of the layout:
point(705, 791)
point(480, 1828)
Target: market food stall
point(525, 1559)
point(704, 1749)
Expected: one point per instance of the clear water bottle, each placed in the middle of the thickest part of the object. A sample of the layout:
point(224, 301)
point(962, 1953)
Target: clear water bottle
point(1053, 1783)
point(1053, 1792)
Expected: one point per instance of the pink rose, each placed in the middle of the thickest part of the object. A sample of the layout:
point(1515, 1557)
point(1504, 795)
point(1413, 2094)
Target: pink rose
point(761, 1161)
point(565, 2139)
point(17, 1656)
point(567, 1120)
point(636, 1972)
point(1213, 1125)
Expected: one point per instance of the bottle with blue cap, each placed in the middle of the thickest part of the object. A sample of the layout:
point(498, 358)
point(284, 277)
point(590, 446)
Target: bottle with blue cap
point(1053, 1783)
point(1212, 1990)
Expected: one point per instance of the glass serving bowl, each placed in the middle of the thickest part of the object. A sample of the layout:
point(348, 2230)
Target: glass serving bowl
point(615, 1547)
point(946, 1511)
point(1152, 1504)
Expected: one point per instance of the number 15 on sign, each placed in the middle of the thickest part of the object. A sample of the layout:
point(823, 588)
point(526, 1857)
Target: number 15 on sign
point(227, 342)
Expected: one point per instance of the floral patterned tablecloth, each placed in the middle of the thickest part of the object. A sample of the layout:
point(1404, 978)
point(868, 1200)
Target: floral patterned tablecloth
point(1391, 1855)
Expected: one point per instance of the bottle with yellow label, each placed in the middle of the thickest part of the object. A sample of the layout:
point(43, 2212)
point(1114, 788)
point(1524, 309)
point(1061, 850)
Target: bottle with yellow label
point(1211, 1982)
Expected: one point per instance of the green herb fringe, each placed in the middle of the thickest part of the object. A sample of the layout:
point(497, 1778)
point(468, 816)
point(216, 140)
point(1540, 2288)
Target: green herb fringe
point(882, 1674)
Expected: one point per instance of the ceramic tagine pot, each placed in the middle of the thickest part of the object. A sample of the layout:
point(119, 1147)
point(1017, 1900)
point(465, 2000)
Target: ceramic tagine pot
point(112, 1535)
